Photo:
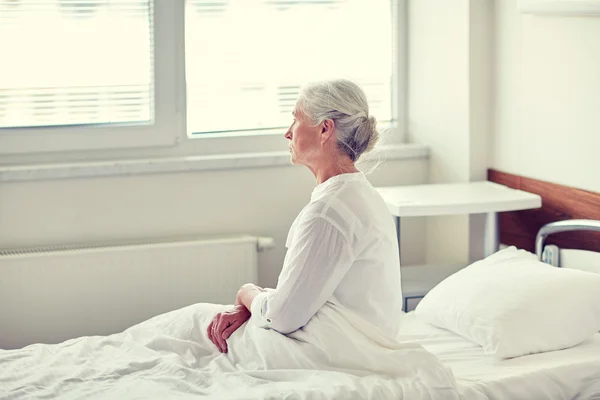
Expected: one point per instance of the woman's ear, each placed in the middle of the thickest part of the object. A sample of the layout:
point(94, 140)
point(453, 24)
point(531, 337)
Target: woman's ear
point(327, 130)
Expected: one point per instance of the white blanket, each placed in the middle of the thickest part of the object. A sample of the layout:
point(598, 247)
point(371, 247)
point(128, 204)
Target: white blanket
point(169, 356)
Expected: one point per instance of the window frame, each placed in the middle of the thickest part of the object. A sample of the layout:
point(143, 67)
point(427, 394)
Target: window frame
point(168, 136)
point(108, 136)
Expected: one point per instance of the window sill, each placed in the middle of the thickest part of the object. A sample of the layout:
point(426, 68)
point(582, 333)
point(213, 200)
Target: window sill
point(181, 164)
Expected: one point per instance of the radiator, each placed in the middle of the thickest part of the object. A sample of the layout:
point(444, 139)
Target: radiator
point(48, 295)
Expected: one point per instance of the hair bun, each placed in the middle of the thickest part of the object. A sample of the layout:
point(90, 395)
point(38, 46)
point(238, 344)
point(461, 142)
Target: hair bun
point(366, 136)
point(372, 123)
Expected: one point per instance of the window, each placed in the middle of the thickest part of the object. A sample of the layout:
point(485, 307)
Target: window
point(246, 60)
point(82, 75)
point(69, 62)
point(146, 77)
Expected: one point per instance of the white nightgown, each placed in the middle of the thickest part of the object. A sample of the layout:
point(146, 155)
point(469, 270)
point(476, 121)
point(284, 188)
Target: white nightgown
point(342, 248)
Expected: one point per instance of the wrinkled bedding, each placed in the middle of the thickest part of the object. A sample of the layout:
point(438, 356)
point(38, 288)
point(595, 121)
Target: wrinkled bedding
point(335, 356)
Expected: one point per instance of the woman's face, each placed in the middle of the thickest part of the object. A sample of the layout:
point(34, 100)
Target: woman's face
point(305, 140)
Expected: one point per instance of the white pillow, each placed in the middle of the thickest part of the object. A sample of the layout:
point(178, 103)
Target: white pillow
point(513, 305)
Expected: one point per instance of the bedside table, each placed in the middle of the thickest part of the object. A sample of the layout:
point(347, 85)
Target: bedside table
point(417, 280)
point(427, 200)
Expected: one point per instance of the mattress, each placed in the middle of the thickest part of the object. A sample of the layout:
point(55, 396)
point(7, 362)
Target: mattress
point(566, 374)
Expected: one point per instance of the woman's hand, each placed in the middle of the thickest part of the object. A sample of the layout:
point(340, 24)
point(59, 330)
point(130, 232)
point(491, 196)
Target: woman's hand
point(224, 324)
point(247, 293)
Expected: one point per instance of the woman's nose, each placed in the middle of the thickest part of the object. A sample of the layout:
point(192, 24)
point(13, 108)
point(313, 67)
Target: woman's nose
point(288, 134)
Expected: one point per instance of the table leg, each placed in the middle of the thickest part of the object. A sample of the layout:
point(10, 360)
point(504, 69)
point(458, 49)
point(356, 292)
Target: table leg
point(492, 234)
point(397, 223)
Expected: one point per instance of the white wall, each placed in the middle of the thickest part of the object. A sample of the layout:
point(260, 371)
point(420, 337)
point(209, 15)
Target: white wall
point(547, 109)
point(438, 79)
point(261, 201)
point(449, 107)
point(438, 110)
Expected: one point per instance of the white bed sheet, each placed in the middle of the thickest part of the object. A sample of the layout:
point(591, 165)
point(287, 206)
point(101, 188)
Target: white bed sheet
point(567, 374)
point(169, 356)
point(335, 356)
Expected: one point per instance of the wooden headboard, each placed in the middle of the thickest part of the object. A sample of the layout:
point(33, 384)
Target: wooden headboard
point(559, 202)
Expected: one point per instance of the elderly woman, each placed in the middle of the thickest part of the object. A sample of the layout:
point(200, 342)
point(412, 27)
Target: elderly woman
point(342, 247)
point(328, 330)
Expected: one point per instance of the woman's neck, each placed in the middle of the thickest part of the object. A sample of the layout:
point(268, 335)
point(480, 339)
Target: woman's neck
point(328, 171)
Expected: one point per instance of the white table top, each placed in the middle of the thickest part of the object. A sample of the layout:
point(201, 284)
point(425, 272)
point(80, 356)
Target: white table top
point(456, 198)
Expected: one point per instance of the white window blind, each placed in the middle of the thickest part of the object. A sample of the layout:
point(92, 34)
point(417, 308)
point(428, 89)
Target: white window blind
point(246, 60)
point(74, 62)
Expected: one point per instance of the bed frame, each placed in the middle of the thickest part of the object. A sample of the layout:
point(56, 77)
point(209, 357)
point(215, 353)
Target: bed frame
point(563, 226)
point(579, 211)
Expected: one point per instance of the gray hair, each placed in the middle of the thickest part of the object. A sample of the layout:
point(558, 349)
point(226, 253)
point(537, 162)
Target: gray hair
point(345, 103)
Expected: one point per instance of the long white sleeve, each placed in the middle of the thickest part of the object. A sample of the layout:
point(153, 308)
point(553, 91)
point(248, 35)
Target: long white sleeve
point(316, 262)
